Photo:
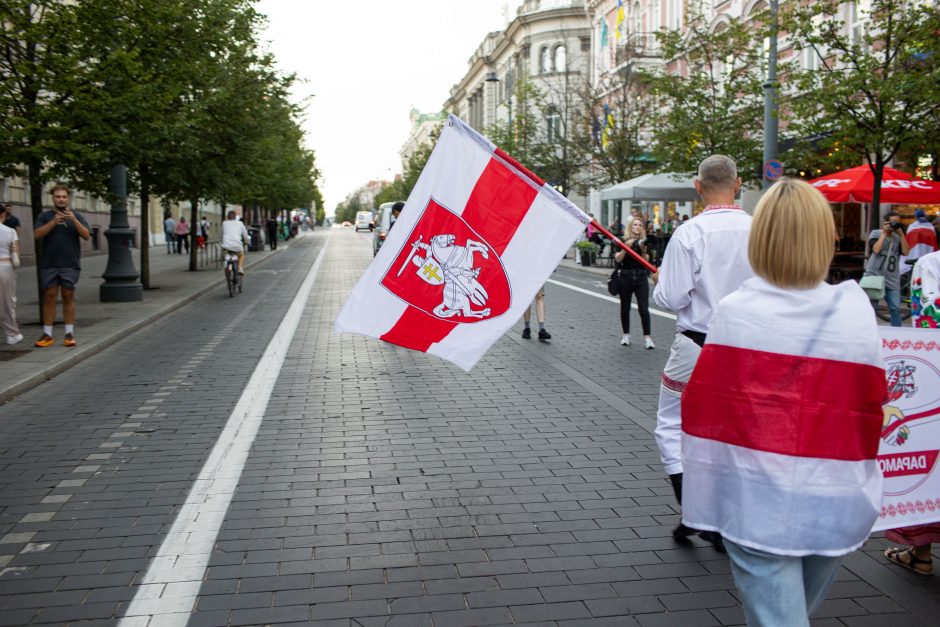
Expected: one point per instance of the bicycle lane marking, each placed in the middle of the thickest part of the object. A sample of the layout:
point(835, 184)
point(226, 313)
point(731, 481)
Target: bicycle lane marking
point(168, 590)
point(655, 312)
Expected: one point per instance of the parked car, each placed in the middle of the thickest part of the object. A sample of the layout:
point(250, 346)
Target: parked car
point(363, 221)
point(383, 222)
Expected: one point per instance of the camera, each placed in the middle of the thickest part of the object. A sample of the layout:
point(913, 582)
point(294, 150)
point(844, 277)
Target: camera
point(896, 225)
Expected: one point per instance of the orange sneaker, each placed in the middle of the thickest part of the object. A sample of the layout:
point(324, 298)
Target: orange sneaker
point(69, 340)
point(45, 340)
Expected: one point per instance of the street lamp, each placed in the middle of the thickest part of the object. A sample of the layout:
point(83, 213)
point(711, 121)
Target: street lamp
point(770, 167)
point(492, 78)
point(120, 277)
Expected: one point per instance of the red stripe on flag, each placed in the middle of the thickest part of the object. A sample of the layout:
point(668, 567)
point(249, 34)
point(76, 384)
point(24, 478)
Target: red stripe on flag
point(418, 330)
point(502, 155)
point(786, 404)
point(497, 204)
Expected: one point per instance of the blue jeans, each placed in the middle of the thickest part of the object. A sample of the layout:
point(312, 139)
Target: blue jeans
point(777, 590)
point(893, 299)
point(169, 241)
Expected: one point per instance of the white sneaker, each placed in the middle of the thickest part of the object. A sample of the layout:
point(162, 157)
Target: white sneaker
point(649, 342)
point(625, 340)
point(15, 339)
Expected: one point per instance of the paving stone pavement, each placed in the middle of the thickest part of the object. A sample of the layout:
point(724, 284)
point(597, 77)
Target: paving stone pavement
point(384, 486)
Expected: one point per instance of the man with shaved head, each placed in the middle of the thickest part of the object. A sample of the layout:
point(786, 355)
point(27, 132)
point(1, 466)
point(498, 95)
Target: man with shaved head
point(706, 259)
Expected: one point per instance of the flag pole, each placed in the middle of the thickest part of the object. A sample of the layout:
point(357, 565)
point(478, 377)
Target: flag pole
point(616, 240)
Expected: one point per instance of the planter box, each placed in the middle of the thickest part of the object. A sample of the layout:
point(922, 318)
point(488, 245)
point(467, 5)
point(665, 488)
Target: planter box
point(587, 258)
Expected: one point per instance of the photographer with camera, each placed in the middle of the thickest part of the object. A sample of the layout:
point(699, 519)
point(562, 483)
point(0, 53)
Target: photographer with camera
point(887, 247)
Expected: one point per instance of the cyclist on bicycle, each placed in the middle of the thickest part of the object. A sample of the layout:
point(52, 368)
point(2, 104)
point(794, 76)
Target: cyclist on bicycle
point(234, 234)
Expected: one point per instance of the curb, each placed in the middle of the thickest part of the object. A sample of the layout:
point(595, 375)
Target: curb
point(25, 384)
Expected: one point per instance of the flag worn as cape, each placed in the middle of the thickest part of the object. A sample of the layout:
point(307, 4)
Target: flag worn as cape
point(477, 239)
point(781, 420)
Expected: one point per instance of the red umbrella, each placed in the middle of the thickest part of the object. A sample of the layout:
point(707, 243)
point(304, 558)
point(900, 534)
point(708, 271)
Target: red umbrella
point(856, 184)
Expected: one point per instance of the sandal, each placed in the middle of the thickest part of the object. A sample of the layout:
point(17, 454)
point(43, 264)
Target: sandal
point(905, 557)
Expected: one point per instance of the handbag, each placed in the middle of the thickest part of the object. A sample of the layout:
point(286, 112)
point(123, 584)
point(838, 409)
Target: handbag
point(613, 283)
point(874, 286)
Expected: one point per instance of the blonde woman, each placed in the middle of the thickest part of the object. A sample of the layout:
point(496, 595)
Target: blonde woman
point(781, 418)
point(9, 259)
point(634, 279)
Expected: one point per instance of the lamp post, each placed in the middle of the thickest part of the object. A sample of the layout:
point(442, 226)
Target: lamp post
point(770, 163)
point(120, 276)
point(492, 78)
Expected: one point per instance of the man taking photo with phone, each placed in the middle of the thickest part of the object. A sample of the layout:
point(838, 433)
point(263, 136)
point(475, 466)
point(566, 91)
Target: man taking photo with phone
point(58, 231)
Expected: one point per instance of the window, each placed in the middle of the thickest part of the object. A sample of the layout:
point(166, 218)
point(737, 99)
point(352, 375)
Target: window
point(553, 130)
point(856, 23)
point(809, 59)
point(545, 61)
point(561, 59)
point(654, 15)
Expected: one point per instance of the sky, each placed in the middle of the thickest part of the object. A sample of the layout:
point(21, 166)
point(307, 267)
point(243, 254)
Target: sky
point(366, 64)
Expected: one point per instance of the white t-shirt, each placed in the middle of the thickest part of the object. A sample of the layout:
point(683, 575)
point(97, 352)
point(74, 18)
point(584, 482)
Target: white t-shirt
point(706, 260)
point(7, 237)
point(233, 234)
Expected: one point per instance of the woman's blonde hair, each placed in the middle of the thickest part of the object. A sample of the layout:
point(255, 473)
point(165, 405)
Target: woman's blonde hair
point(792, 236)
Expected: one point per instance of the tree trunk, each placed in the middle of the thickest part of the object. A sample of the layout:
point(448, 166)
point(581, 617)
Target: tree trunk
point(145, 228)
point(35, 201)
point(878, 173)
point(193, 213)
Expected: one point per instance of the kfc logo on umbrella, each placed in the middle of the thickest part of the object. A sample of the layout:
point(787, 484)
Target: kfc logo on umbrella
point(448, 270)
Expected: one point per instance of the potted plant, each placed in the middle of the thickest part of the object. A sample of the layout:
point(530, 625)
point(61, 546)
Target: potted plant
point(588, 251)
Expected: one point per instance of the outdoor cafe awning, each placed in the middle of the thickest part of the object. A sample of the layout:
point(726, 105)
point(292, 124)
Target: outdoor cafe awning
point(666, 186)
point(856, 185)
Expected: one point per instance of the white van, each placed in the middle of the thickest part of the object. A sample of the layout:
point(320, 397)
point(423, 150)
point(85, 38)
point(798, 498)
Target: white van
point(363, 220)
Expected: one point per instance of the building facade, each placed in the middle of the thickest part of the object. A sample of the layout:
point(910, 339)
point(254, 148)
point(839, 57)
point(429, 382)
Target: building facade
point(423, 126)
point(15, 192)
point(548, 42)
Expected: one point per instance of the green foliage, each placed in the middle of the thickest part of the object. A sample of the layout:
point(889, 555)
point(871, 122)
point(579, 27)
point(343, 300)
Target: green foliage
point(175, 89)
point(714, 104)
point(876, 91)
point(617, 147)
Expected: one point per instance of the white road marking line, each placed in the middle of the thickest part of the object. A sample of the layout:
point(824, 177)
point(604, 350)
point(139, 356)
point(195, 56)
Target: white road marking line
point(184, 554)
point(612, 299)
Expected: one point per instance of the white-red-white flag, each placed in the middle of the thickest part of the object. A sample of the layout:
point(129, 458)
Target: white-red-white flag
point(780, 438)
point(478, 237)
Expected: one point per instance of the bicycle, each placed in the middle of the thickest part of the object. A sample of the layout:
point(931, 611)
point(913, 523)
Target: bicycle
point(232, 278)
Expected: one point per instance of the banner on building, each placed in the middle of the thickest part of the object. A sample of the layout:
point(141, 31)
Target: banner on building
point(910, 438)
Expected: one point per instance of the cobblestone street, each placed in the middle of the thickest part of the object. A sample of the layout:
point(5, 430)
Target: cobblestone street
point(383, 486)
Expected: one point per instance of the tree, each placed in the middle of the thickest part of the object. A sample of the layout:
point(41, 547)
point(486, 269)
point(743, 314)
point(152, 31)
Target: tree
point(876, 90)
point(713, 102)
point(613, 126)
point(40, 71)
point(401, 187)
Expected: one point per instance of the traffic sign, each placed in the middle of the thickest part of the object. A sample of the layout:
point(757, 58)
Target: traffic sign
point(773, 170)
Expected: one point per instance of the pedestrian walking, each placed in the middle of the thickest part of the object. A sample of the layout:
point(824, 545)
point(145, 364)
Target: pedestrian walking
point(539, 303)
point(782, 417)
point(270, 226)
point(203, 232)
point(9, 261)
point(59, 231)
point(182, 236)
point(704, 261)
point(887, 246)
point(169, 233)
point(633, 278)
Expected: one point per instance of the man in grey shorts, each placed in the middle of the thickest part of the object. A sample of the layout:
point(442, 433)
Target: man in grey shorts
point(59, 231)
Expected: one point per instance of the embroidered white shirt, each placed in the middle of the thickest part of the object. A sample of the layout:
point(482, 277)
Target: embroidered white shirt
point(706, 260)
